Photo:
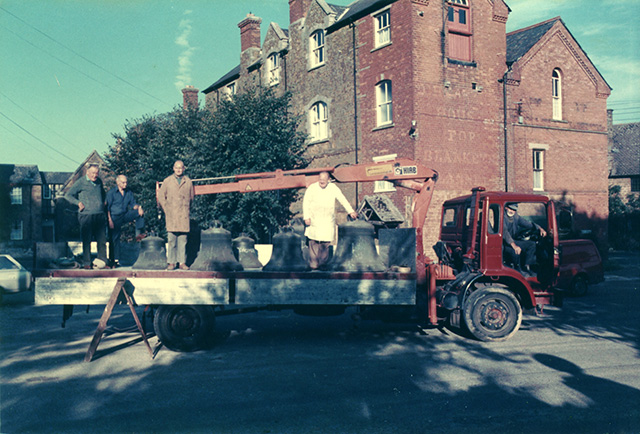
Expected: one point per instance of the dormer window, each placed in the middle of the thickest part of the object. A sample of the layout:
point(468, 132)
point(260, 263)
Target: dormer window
point(316, 48)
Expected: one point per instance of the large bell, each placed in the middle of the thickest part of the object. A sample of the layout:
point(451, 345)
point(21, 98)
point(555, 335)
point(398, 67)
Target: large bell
point(153, 255)
point(215, 252)
point(356, 249)
point(287, 253)
point(245, 251)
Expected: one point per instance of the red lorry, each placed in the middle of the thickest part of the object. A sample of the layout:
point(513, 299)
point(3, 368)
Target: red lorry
point(467, 286)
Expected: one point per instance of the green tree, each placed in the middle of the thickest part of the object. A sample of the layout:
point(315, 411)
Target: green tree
point(252, 132)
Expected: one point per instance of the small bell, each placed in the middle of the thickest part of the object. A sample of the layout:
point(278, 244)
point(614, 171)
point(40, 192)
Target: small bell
point(356, 249)
point(287, 253)
point(245, 251)
point(153, 255)
point(215, 252)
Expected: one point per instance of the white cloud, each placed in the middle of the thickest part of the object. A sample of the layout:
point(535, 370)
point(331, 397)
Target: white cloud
point(183, 77)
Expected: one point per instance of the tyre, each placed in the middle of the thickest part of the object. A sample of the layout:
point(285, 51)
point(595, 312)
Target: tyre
point(492, 314)
point(185, 327)
point(579, 286)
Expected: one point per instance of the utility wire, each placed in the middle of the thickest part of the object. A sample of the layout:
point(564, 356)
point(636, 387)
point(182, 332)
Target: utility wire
point(84, 58)
point(76, 69)
point(38, 139)
point(32, 146)
point(38, 120)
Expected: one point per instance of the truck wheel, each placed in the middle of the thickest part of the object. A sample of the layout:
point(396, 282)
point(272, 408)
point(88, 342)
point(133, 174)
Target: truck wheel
point(185, 327)
point(492, 314)
point(579, 286)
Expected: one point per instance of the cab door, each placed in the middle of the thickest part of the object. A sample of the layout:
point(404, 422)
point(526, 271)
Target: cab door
point(491, 236)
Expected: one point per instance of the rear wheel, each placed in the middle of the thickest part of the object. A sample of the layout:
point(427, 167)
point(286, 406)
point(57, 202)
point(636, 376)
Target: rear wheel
point(185, 327)
point(492, 314)
point(579, 286)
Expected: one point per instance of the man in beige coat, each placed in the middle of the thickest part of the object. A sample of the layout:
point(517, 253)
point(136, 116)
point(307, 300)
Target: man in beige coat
point(175, 196)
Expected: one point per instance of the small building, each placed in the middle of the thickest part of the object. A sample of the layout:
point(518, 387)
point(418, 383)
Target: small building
point(625, 158)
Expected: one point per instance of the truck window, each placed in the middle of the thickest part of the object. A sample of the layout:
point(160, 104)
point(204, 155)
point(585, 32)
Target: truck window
point(449, 217)
point(494, 219)
point(535, 212)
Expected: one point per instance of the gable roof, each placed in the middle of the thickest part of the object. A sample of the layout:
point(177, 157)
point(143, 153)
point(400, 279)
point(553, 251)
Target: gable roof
point(234, 74)
point(55, 177)
point(625, 150)
point(25, 174)
point(355, 11)
point(519, 42)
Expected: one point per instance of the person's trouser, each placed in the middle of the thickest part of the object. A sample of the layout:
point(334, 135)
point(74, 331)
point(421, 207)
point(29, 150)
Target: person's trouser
point(526, 257)
point(93, 225)
point(177, 247)
point(318, 253)
point(118, 222)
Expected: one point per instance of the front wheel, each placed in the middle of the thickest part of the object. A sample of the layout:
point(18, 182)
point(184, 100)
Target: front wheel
point(492, 314)
point(185, 327)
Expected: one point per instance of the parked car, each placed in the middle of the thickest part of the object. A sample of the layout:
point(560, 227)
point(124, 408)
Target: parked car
point(14, 277)
point(580, 266)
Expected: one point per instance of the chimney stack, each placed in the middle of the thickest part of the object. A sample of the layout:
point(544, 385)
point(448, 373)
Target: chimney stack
point(298, 9)
point(190, 98)
point(250, 32)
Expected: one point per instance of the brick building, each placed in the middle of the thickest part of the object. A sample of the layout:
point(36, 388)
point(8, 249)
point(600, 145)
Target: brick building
point(440, 82)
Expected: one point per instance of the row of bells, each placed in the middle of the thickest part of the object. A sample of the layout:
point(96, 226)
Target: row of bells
point(356, 251)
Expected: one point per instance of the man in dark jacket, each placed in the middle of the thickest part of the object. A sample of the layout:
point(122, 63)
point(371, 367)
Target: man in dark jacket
point(122, 208)
point(88, 195)
point(518, 252)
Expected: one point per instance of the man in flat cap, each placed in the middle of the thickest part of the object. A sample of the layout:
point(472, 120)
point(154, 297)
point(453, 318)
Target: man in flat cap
point(522, 253)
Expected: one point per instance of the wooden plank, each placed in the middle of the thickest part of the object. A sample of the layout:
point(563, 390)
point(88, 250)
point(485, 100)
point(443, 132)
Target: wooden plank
point(106, 314)
point(96, 290)
point(325, 291)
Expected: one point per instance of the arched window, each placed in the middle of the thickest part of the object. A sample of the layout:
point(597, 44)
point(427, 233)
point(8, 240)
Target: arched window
point(318, 121)
point(316, 48)
point(384, 103)
point(556, 94)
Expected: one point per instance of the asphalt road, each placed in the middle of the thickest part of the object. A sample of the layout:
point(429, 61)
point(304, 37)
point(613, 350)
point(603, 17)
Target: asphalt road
point(571, 370)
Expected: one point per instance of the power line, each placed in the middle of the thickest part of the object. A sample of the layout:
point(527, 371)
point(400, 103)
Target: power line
point(38, 139)
point(38, 120)
point(76, 69)
point(84, 58)
point(31, 145)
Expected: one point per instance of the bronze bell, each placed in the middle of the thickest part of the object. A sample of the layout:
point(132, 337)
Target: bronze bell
point(215, 252)
point(356, 249)
point(245, 251)
point(287, 253)
point(153, 255)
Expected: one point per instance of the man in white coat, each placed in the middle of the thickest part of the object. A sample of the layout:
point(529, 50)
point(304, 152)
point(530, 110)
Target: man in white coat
point(319, 213)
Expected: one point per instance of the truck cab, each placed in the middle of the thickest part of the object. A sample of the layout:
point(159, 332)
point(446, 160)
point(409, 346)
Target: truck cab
point(472, 244)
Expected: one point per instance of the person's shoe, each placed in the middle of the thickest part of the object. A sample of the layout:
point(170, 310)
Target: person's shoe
point(100, 264)
point(141, 237)
point(184, 267)
point(87, 267)
point(171, 266)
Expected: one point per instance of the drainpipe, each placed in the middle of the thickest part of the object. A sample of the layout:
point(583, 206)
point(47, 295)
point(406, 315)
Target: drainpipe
point(355, 97)
point(503, 80)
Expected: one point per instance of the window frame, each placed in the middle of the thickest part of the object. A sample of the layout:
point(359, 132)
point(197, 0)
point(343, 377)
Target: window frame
point(17, 231)
point(556, 94)
point(384, 89)
point(273, 65)
point(317, 55)
point(537, 165)
point(318, 124)
point(460, 35)
point(16, 196)
point(382, 29)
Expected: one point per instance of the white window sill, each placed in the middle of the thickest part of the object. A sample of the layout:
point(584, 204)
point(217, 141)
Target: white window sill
point(384, 127)
point(380, 47)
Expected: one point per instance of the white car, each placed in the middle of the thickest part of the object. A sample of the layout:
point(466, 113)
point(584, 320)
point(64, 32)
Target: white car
point(13, 276)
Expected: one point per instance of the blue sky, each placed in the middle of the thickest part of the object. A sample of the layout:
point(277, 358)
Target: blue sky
point(74, 72)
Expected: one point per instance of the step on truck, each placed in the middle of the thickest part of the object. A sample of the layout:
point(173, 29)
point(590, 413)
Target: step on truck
point(467, 285)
